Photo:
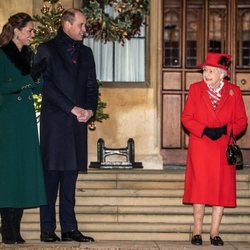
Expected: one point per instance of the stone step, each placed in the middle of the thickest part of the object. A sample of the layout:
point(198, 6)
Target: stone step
point(140, 201)
point(146, 175)
point(241, 210)
point(144, 205)
point(130, 185)
point(133, 175)
point(146, 231)
point(140, 193)
point(142, 185)
point(144, 179)
point(143, 227)
point(144, 218)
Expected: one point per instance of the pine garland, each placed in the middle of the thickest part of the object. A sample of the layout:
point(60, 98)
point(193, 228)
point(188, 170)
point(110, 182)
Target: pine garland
point(49, 22)
point(115, 20)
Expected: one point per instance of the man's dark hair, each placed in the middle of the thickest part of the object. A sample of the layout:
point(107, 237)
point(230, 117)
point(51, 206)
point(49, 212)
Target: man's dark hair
point(69, 15)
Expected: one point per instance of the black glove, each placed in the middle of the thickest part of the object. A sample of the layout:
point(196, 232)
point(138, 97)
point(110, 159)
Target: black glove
point(37, 69)
point(222, 130)
point(215, 133)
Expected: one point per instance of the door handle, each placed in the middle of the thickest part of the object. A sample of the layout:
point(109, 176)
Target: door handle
point(243, 81)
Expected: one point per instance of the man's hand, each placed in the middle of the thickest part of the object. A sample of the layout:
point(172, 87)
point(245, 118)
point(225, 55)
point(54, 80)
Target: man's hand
point(82, 115)
point(86, 114)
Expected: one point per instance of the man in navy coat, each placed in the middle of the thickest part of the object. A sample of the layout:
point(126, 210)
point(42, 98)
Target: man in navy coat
point(70, 97)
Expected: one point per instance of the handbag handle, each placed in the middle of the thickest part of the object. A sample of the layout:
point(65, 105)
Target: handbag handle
point(232, 137)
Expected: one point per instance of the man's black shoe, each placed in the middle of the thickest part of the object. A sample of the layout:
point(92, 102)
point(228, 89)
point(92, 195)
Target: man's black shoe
point(76, 236)
point(49, 237)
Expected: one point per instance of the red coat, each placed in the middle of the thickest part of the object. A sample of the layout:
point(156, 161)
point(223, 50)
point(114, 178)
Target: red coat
point(209, 179)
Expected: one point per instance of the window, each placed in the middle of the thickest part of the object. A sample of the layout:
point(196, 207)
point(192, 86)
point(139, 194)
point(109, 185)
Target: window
point(120, 63)
point(193, 17)
point(171, 34)
point(243, 38)
point(217, 28)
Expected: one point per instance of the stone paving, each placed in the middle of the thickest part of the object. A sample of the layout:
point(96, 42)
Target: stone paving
point(126, 245)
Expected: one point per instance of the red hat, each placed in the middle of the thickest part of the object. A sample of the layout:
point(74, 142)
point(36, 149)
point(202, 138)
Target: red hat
point(217, 60)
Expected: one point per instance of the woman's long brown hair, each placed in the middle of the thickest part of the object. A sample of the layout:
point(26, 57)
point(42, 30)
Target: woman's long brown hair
point(19, 21)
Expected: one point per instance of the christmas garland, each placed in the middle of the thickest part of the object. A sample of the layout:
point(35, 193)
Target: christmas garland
point(115, 20)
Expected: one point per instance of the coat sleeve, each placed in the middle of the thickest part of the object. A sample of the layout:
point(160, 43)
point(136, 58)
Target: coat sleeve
point(92, 86)
point(8, 87)
point(188, 114)
point(50, 90)
point(239, 122)
point(37, 88)
point(38, 85)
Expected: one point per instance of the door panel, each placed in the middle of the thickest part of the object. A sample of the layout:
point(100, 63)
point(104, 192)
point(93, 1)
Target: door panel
point(171, 121)
point(174, 84)
point(192, 77)
point(244, 140)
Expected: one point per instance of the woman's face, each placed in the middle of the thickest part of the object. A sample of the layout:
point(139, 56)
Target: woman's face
point(212, 75)
point(25, 35)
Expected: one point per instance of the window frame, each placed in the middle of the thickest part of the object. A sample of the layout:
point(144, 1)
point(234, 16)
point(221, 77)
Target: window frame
point(131, 84)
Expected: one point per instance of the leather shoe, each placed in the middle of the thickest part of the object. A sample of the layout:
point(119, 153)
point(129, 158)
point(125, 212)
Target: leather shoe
point(196, 240)
point(76, 236)
point(49, 237)
point(12, 239)
point(20, 240)
point(216, 241)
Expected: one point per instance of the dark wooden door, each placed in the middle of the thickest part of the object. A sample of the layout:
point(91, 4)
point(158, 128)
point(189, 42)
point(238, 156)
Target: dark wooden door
point(190, 29)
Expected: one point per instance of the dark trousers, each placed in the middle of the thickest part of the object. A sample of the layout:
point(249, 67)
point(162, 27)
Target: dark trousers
point(65, 182)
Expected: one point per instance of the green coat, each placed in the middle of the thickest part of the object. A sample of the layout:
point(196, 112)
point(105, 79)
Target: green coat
point(21, 174)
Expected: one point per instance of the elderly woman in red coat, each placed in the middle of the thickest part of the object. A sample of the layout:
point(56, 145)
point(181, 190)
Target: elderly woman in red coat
point(213, 109)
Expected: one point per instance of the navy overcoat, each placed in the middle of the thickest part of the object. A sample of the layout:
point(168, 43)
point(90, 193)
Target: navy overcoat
point(63, 139)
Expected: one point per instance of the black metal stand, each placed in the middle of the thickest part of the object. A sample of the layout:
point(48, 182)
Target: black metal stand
point(103, 152)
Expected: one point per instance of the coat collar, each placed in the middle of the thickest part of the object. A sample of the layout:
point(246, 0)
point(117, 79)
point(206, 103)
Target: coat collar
point(67, 41)
point(21, 60)
point(68, 47)
point(66, 59)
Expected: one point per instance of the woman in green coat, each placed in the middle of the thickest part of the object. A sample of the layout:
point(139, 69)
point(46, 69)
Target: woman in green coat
point(21, 175)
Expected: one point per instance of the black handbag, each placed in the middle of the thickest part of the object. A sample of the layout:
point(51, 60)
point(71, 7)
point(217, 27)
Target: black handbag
point(234, 154)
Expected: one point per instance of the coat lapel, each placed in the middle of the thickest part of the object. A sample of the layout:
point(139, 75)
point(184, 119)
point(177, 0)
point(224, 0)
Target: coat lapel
point(65, 57)
point(82, 61)
point(224, 97)
point(206, 98)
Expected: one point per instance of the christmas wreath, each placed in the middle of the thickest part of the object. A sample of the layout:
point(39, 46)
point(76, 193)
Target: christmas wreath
point(115, 20)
